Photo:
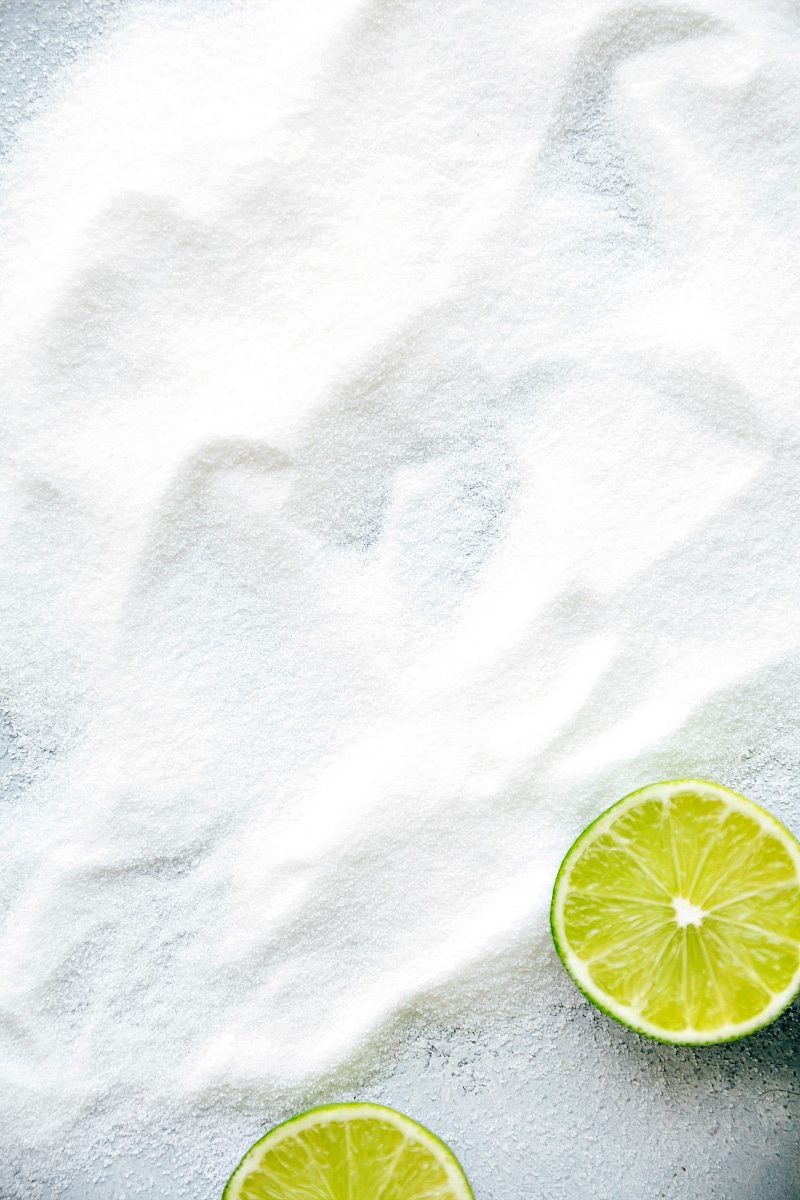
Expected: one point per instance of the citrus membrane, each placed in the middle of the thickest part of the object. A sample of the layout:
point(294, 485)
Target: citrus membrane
point(677, 912)
point(349, 1152)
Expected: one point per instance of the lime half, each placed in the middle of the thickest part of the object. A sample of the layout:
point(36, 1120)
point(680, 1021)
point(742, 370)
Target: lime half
point(678, 913)
point(349, 1152)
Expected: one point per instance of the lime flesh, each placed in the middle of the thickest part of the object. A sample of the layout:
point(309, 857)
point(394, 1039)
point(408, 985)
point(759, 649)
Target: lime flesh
point(349, 1152)
point(678, 913)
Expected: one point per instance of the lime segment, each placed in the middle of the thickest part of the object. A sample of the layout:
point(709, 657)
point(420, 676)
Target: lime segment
point(678, 913)
point(349, 1152)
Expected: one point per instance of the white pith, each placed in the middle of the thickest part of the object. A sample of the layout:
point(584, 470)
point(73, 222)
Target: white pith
point(627, 1014)
point(342, 1113)
point(687, 913)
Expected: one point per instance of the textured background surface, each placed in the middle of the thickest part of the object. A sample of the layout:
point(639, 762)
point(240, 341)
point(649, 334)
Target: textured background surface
point(560, 1105)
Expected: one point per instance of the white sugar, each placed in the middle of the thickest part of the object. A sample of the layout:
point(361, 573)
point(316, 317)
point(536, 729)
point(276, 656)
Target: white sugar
point(400, 440)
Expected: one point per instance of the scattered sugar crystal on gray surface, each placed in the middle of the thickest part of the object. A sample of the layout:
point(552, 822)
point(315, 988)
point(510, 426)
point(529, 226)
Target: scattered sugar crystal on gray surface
point(399, 464)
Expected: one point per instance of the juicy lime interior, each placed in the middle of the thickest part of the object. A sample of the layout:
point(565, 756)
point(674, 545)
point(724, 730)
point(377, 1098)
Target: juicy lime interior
point(349, 1152)
point(678, 911)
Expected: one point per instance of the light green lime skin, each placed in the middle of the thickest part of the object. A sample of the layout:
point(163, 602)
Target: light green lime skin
point(572, 852)
point(368, 1110)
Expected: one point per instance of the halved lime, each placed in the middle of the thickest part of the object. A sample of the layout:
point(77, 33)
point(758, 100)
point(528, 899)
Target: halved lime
point(678, 913)
point(349, 1152)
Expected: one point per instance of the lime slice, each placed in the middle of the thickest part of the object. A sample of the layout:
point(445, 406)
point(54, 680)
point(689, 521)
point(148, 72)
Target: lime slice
point(678, 913)
point(349, 1152)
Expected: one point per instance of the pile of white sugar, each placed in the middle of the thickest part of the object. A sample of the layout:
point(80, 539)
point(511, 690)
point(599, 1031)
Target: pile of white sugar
point(400, 461)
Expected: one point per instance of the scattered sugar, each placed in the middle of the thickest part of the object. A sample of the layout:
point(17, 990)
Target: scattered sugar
point(400, 463)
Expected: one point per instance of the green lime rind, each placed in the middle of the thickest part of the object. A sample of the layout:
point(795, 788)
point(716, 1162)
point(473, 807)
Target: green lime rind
point(595, 995)
point(351, 1110)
